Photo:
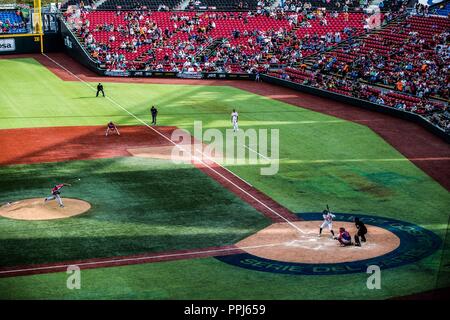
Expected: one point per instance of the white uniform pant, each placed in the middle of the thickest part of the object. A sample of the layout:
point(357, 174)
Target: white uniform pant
point(328, 224)
point(112, 130)
point(55, 197)
point(235, 126)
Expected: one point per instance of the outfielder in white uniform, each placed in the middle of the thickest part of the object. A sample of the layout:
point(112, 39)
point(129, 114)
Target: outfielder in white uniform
point(327, 222)
point(234, 120)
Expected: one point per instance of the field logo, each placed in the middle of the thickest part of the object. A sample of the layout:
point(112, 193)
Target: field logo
point(74, 280)
point(235, 147)
point(374, 280)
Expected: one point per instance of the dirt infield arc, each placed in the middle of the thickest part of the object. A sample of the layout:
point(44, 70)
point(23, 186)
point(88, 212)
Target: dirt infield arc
point(309, 248)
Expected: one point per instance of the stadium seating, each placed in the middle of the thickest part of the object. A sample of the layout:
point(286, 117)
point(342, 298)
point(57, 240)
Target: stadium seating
point(389, 97)
point(134, 4)
point(328, 4)
point(225, 5)
point(404, 51)
point(408, 47)
point(77, 2)
point(11, 22)
point(239, 51)
point(399, 66)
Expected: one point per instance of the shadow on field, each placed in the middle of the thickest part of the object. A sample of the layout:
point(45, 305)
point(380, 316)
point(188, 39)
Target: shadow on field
point(39, 251)
point(138, 206)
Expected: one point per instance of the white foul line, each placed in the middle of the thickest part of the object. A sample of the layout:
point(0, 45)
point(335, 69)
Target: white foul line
point(256, 152)
point(178, 146)
point(172, 255)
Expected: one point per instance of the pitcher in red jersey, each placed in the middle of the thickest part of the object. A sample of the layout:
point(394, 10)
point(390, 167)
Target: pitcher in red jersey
point(56, 191)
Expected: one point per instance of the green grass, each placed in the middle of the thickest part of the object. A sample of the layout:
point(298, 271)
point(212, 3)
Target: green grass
point(364, 173)
point(322, 160)
point(208, 278)
point(139, 205)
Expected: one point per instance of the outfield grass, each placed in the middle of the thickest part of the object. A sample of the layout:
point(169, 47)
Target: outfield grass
point(139, 205)
point(208, 278)
point(322, 160)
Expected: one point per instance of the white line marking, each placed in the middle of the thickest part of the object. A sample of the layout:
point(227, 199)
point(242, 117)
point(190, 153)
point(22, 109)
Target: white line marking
point(143, 258)
point(256, 152)
point(367, 160)
point(178, 146)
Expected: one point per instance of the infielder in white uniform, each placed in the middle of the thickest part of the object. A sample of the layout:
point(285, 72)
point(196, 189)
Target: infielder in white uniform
point(234, 120)
point(327, 222)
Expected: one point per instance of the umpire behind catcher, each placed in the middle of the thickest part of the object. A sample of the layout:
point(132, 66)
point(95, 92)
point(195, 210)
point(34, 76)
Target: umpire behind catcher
point(362, 231)
point(100, 89)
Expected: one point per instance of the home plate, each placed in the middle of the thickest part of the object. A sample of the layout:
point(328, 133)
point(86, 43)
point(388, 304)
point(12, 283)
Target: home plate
point(307, 247)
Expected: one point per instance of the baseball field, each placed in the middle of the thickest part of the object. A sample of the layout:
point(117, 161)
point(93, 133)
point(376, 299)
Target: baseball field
point(144, 227)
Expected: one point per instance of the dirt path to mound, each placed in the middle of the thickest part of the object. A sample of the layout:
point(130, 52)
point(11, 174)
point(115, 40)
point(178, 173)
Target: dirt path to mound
point(37, 209)
point(427, 151)
point(309, 248)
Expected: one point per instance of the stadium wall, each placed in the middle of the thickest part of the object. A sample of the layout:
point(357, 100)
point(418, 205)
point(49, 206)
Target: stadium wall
point(17, 44)
point(74, 49)
point(360, 103)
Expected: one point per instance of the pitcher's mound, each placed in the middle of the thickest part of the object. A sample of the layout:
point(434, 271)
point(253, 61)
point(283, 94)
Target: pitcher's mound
point(37, 209)
point(282, 242)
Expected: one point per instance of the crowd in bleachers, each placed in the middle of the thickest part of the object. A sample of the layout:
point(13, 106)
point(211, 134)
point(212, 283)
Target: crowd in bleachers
point(405, 66)
point(436, 111)
point(339, 5)
point(252, 40)
point(225, 5)
point(12, 22)
point(81, 3)
point(412, 56)
point(301, 35)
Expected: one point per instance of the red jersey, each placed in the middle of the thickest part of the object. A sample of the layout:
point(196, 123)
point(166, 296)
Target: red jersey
point(57, 188)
